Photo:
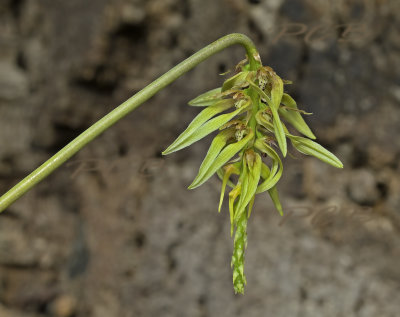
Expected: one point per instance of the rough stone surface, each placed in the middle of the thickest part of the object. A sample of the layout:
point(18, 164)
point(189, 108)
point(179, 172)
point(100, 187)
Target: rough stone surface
point(363, 188)
point(115, 232)
point(13, 82)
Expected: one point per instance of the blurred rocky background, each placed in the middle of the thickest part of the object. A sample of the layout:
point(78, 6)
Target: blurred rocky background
point(115, 232)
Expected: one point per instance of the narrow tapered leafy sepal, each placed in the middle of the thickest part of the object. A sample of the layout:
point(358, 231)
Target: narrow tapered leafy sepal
point(279, 132)
point(309, 147)
point(250, 206)
point(228, 171)
point(233, 194)
point(198, 122)
point(207, 128)
point(220, 174)
point(207, 99)
point(226, 154)
point(237, 80)
point(252, 163)
point(294, 117)
point(276, 126)
point(273, 193)
point(216, 147)
point(264, 120)
point(276, 91)
point(270, 177)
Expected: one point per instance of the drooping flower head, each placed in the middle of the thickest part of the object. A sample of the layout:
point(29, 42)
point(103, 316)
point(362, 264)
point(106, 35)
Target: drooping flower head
point(250, 112)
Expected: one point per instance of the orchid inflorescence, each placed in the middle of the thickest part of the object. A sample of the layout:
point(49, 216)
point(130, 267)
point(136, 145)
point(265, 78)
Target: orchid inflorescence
point(249, 133)
point(252, 131)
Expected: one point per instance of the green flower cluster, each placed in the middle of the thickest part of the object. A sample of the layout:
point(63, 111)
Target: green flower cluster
point(249, 111)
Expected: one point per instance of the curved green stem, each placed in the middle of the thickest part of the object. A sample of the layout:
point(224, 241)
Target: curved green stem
point(121, 111)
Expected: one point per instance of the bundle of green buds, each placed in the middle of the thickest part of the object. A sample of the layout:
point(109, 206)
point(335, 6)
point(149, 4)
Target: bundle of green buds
point(244, 152)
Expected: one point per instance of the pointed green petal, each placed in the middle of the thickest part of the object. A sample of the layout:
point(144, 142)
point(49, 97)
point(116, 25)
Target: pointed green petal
point(237, 80)
point(198, 122)
point(229, 170)
point(261, 120)
point(206, 99)
point(250, 182)
point(274, 106)
point(244, 180)
point(275, 174)
point(277, 127)
point(265, 148)
point(250, 206)
point(309, 147)
point(279, 132)
point(273, 193)
point(294, 117)
point(233, 194)
point(226, 154)
point(265, 171)
point(216, 147)
point(207, 128)
point(221, 174)
point(276, 91)
point(270, 181)
point(223, 187)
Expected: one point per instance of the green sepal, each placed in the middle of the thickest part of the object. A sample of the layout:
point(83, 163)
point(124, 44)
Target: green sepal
point(216, 147)
point(261, 120)
point(226, 154)
point(206, 99)
point(277, 123)
point(195, 134)
point(250, 206)
point(220, 174)
point(273, 176)
point(209, 127)
point(251, 171)
point(294, 117)
point(233, 194)
point(235, 81)
point(270, 181)
point(227, 172)
point(273, 193)
point(276, 91)
point(265, 171)
point(197, 122)
point(279, 132)
point(309, 147)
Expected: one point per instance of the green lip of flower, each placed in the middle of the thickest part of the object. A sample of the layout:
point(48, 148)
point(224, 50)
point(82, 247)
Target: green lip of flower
point(248, 110)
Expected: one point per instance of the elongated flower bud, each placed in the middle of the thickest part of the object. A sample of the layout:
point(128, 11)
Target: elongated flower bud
point(239, 247)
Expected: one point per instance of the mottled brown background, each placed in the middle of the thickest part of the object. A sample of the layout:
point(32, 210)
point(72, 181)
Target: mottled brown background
point(127, 238)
